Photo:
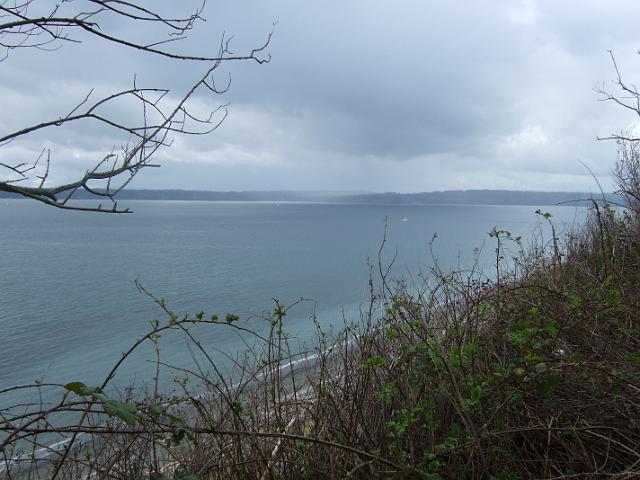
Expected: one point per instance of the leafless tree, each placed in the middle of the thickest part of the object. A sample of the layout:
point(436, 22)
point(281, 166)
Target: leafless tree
point(627, 169)
point(39, 24)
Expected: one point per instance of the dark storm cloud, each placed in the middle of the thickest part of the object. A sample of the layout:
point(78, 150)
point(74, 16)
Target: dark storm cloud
point(367, 95)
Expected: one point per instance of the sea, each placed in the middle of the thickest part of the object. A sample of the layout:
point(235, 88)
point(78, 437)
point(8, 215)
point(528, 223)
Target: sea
point(69, 304)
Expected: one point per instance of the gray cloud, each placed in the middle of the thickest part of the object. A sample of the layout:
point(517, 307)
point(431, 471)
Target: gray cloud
point(364, 95)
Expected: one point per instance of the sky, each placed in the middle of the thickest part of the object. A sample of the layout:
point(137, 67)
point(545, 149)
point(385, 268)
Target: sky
point(360, 95)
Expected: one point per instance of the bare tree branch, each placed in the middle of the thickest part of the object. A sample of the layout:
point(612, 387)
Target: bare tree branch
point(627, 169)
point(164, 114)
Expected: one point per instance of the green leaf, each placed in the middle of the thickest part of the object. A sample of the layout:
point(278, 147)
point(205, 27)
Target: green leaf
point(122, 410)
point(575, 302)
point(81, 389)
point(541, 367)
point(154, 410)
point(178, 435)
point(374, 361)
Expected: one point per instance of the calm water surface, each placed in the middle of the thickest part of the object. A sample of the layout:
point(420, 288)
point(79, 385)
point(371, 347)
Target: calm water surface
point(69, 305)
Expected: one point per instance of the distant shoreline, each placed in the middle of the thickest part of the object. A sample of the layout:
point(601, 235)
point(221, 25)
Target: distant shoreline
point(447, 197)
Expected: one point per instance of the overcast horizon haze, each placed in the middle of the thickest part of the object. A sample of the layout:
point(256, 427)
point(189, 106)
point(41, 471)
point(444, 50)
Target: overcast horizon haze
point(374, 96)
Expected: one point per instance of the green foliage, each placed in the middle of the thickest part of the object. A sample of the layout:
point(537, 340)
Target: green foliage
point(122, 410)
point(387, 393)
point(374, 361)
point(81, 389)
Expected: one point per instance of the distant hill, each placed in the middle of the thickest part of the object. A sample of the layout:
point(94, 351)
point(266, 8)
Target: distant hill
point(453, 197)
point(482, 197)
point(207, 195)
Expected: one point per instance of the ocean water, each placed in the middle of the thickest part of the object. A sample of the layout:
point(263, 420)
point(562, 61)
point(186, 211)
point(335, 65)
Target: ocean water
point(69, 306)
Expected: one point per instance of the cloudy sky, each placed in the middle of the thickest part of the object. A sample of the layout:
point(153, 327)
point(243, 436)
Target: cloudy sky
point(360, 95)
